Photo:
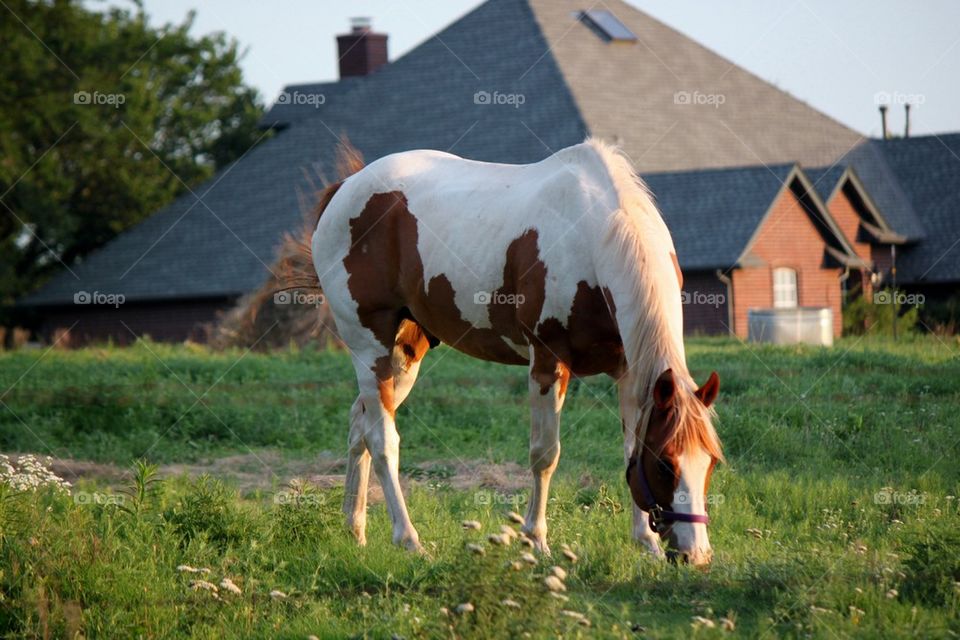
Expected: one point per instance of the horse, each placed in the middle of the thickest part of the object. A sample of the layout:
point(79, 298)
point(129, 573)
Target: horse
point(564, 266)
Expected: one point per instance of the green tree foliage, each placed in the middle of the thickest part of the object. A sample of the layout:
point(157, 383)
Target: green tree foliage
point(103, 119)
point(876, 315)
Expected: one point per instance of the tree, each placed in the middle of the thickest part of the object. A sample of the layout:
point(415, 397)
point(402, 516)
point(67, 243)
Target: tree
point(104, 119)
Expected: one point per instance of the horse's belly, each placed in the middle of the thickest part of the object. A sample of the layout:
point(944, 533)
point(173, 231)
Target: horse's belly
point(448, 326)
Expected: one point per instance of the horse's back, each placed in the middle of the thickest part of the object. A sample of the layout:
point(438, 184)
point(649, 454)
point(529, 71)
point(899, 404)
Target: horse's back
point(482, 255)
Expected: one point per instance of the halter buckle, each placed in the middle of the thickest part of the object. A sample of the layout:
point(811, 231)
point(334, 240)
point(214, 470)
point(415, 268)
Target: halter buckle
point(656, 517)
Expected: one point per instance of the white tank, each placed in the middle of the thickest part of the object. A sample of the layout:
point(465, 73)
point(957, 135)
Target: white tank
point(803, 325)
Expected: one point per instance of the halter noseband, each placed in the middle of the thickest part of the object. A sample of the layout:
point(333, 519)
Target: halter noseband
point(657, 514)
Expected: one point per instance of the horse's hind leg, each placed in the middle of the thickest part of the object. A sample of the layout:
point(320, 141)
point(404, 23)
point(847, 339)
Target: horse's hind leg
point(548, 383)
point(358, 476)
point(373, 434)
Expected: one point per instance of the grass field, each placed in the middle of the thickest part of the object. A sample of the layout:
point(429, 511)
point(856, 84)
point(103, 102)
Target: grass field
point(834, 516)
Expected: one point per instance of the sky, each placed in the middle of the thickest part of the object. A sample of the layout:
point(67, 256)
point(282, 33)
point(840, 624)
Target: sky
point(836, 55)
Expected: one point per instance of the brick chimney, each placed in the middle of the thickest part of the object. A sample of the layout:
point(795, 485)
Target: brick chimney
point(361, 51)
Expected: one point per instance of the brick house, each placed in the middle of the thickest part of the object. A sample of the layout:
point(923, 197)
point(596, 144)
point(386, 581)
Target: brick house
point(578, 76)
point(868, 232)
point(752, 238)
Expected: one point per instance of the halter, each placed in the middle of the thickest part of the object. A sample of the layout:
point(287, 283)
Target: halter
point(657, 514)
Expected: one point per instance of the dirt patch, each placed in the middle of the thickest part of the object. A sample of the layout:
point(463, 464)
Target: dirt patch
point(269, 470)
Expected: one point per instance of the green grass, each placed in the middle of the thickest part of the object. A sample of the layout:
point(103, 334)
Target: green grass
point(824, 449)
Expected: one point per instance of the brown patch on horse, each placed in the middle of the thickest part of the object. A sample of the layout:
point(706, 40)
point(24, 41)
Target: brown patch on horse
point(385, 278)
point(377, 245)
point(676, 265)
point(515, 307)
point(412, 342)
point(385, 388)
point(547, 371)
point(589, 341)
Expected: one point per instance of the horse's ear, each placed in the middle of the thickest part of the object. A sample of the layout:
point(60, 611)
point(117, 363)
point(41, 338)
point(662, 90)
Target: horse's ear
point(708, 392)
point(664, 389)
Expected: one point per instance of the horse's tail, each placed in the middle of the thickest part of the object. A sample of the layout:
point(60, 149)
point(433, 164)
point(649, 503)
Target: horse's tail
point(296, 252)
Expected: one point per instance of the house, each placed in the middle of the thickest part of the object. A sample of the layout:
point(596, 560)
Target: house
point(915, 183)
point(514, 81)
point(752, 238)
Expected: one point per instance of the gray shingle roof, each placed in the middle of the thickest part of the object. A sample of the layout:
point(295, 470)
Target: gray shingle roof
point(825, 179)
point(884, 188)
point(299, 101)
point(927, 169)
point(712, 214)
point(629, 92)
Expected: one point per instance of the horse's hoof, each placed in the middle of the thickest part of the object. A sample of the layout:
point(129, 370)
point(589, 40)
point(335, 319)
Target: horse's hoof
point(539, 542)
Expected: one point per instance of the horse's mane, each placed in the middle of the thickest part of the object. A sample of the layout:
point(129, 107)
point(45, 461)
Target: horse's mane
point(653, 345)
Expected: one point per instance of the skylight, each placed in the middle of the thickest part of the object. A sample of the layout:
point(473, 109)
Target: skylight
point(607, 25)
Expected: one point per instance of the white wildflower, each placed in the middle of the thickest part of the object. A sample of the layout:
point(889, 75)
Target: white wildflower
point(471, 524)
point(478, 549)
point(464, 607)
point(700, 621)
point(29, 473)
point(198, 585)
point(513, 516)
point(554, 584)
point(528, 558)
point(499, 539)
point(228, 585)
point(560, 572)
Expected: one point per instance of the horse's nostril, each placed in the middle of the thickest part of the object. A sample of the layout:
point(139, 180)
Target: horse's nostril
point(677, 557)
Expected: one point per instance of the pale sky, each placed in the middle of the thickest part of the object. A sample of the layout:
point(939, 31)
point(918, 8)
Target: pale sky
point(834, 54)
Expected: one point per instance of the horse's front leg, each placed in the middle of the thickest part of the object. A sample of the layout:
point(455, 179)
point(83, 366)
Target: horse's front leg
point(548, 384)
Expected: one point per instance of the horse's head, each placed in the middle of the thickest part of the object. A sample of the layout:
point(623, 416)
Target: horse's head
point(669, 472)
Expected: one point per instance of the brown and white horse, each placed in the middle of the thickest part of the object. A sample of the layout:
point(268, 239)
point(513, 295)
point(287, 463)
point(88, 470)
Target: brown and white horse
point(564, 266)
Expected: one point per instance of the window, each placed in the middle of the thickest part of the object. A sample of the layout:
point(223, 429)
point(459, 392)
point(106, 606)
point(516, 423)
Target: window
point(784, 288)
point(608, 25)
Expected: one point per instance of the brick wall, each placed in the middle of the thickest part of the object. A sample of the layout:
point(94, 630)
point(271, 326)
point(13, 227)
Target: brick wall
point(172, 321)
point(787, 238)
point(844, 212)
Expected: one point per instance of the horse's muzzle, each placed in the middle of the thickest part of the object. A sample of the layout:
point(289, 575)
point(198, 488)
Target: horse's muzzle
point(698, 558)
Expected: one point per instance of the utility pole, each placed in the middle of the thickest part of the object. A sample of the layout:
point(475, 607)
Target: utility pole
point(896, 298)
